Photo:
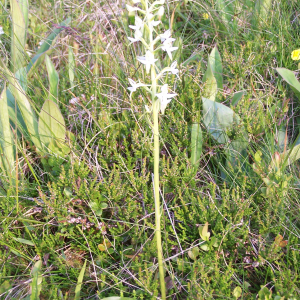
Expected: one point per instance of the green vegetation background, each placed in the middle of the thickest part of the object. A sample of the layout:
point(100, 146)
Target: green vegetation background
point(96, 203)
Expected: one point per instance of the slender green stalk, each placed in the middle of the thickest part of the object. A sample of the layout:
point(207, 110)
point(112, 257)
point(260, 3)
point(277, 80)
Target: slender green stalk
point(156, 185)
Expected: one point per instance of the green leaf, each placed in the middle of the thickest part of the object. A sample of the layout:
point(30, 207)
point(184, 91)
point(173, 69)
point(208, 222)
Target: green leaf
point(79, 282)
point(203, 231)
point(204, 247)
point(237, 292)
point(68, 192)
point(39, 57)
point(8, 158)
point(53, 79)
point(23, 241)
point(36, 284)
point(281, 137)
point(291, 155)
point(211, 87)
point(71, 59)
point(21, 76)
point(215, 62)
point(194, 253)
point(103, 205)
point(196, 144)
point(237, 97)
point(24, 105)
point(217, 118)
point(51, 124)
point(19, 14)
point(289, 77)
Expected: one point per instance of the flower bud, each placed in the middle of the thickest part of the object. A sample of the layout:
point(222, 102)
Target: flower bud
point(160, 12)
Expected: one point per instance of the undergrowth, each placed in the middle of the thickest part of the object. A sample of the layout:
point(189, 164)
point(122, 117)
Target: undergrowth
point(96, 203)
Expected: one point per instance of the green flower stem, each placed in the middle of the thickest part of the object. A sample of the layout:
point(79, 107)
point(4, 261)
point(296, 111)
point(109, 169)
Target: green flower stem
point(156, 187)
point(155, 108)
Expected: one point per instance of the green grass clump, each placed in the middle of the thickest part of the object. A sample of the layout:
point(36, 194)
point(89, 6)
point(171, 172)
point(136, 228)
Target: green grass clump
point(77, 221)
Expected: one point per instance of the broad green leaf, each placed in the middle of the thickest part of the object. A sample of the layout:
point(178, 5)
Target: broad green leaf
point(103, 205)
point(51, 124)
point(289, 77)
point(218, 118)
point(8, 158)
point(203, 231)
point(291, 155)
point(237, 97)
point(237, 292)
point(53, 79)
point(196, 144)
point(215, 62)
point(19, 14)
point(281, 138)
point(211, 87)
point(79, 282)
point(21, 76)
point(36, 284)
point(204, 247)
point(71, 59)
point(24, 105)
point(23, 241)
point(193, 253)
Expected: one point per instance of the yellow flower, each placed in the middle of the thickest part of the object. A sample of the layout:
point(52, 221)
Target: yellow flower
point(296, 54)
point(205, 16)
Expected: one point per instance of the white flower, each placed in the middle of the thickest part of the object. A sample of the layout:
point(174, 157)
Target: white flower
point(137, 36)
point(1, 30)
point(173, 69)
point(160, 11)
point(139, 24)
point(136, 1)
point(164, 97)
point(134, 85)
point(159, 2)
point(167, 46)
point(154, 23)
point(147, 60)
point(131, 8)
point(165, 35)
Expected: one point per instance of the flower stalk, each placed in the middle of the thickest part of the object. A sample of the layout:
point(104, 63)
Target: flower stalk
point(144, 30)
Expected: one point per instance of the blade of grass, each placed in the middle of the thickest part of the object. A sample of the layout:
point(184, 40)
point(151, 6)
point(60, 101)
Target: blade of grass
point(79, 282)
